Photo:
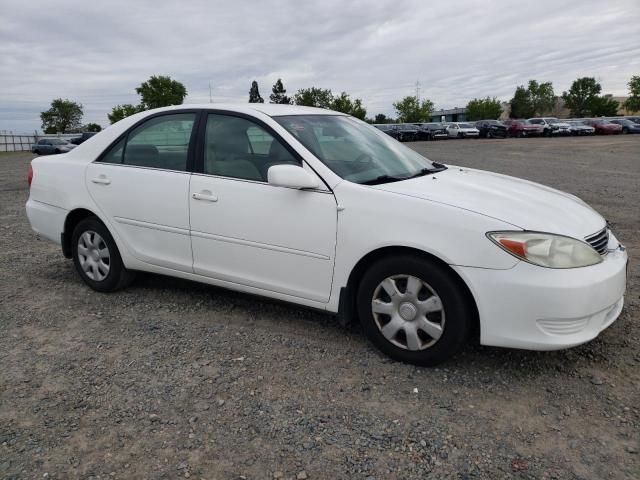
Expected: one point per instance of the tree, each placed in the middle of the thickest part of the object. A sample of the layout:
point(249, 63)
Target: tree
point(410, 109)
point(584, 100)
point(123, 111)
point(633, 102)
point(351, 107)
point(254, 93)
point(521, 106)
point(604, 107)
point(278, 93)
point(160, 91)
point(484, 109)
point(313, 97)
point(63, 115)
point(382, 118)
point(534, 100)
point(542, 97)
point(93, 127)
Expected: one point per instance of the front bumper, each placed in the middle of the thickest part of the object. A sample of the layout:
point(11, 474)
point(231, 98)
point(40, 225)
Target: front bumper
point(538, 308)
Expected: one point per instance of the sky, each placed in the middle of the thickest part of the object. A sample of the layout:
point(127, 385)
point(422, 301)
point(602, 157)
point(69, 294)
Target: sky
point(96, 53)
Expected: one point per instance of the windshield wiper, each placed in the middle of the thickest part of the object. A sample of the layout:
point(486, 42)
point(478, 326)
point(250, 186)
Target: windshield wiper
point(383, 179)
point(437, 167)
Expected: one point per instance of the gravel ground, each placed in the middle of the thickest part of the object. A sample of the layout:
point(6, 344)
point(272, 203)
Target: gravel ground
point(175, 379)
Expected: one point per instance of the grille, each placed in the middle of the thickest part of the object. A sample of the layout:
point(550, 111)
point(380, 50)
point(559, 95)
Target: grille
point(599, 241)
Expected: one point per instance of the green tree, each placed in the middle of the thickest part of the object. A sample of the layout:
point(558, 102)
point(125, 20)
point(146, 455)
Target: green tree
point(122, 111)
point(160, 91)
point(344, 104)
point(62, 116)
point(278, 93)
point(484, 109)
point(93, 127)
point(583, 97)
point(534, 100)
point(604, 106)
point(633, 102)
point(382, 118)
point(313, 97)
point(520, 104)
point(541, 96)
point(254, 93)
point(410, 109)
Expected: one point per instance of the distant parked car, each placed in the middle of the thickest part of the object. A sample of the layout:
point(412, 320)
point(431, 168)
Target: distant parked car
point(577, 127)
point(82, 138)
point(389, 129)
point(408, 132)
point(551, 126)
point(604, 127)
point(627, 125)
point(633, 119)
point(46, 146)
point(462, 130)
point(432, 131)
point(523, 128)
point(491, 129)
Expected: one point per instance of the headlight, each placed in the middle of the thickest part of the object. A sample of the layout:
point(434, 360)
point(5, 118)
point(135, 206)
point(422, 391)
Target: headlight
point(546, 249)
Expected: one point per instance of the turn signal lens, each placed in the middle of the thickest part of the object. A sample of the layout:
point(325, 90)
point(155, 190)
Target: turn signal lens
point(546, 249)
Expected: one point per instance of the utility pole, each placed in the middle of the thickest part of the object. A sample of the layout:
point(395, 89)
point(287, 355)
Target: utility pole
point(210, 97)
point(418, 90)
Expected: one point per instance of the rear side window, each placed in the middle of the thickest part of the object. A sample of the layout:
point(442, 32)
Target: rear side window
point(161, 142)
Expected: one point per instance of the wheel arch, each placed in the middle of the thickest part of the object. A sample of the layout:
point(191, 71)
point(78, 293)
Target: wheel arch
point(347, 310)
point(74, 217)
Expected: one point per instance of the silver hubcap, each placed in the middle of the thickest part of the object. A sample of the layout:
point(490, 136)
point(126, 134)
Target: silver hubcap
point(408, 312)
point(93, 255)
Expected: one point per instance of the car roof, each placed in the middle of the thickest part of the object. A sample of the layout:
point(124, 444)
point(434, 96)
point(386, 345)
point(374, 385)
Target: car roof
point(270, 109)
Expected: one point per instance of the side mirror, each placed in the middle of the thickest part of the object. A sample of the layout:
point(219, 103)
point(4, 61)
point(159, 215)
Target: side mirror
point(291, 176)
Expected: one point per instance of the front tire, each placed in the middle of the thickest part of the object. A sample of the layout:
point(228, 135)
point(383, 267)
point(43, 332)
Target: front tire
point(96, 257)
point(414, 310)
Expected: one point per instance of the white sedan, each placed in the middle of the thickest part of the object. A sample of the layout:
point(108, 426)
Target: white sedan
point(320, 209)
point(462, 130)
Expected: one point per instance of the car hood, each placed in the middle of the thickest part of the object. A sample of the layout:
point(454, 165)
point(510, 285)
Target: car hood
point(561, 124)
point(524, 204)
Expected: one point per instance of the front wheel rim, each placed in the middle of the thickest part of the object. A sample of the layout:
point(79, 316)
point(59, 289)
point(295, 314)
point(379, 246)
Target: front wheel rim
point(408, 312)
point(94, 256)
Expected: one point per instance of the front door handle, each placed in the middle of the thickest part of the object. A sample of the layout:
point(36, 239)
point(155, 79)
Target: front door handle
point(101, 180)
point(205, 195)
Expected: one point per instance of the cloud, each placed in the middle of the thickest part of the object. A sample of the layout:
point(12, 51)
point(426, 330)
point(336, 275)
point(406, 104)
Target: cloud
point(98, 53)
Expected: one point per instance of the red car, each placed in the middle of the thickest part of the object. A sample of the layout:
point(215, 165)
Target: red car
point(604, 127)
point(523, 128)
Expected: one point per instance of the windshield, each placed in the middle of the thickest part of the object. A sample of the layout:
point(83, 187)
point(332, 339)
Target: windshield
point(58, 141)
point(354, 150)
point(466, 125)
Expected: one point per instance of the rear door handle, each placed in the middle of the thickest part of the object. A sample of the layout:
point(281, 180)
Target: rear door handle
point(205, 195)
point(101, 180)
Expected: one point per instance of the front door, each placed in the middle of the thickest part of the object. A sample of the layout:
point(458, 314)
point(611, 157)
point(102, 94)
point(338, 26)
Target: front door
point(249, 232)
point(141, 185)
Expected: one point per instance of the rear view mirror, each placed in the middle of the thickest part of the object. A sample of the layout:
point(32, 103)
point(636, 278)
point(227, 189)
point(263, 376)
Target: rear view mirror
point(291, 176)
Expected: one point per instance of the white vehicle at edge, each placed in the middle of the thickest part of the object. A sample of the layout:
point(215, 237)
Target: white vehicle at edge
point(462, 130)
point(320, 209)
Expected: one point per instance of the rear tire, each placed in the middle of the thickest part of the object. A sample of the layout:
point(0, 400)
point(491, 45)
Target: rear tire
point(427, 320)
point(96, 257)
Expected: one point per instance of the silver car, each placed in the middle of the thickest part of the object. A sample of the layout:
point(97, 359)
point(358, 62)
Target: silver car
point(46, 146)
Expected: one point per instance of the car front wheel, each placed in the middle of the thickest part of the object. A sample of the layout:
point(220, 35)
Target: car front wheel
point(96, 257)
point(414, 310)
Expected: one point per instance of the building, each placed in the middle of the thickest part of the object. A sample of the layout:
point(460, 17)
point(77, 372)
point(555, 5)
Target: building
point(451, 115)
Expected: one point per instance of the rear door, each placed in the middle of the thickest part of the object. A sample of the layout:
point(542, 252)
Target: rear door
point(141, 185)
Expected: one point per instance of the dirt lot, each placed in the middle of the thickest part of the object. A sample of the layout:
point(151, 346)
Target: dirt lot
point(174, 379)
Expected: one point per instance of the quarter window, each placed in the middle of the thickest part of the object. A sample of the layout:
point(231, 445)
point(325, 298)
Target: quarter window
point(238, 148)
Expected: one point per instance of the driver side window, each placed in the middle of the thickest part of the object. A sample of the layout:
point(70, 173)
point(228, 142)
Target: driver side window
point(238, 148)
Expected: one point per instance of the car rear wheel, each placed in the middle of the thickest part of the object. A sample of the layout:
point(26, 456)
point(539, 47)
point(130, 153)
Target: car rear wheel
point(413, 310)
point(96, 257)
point(625, 130)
